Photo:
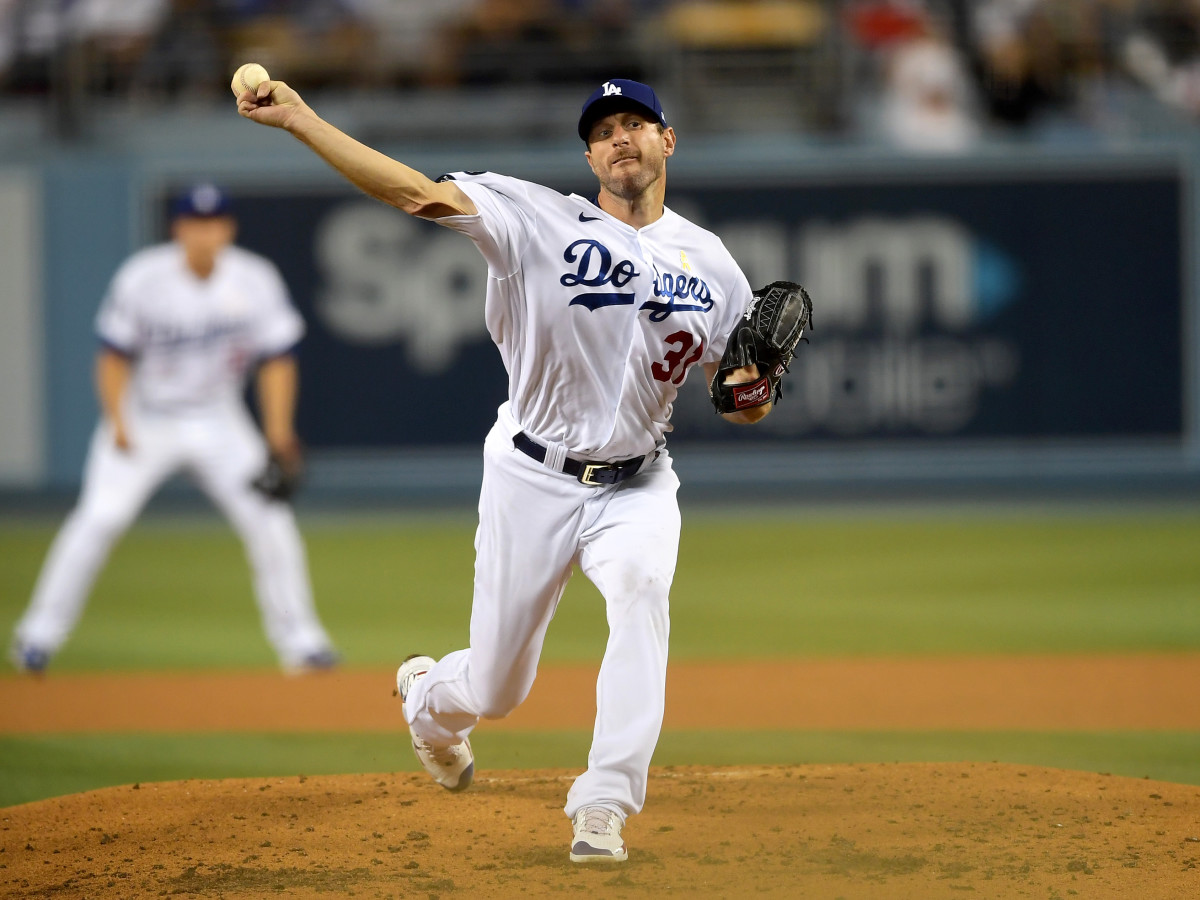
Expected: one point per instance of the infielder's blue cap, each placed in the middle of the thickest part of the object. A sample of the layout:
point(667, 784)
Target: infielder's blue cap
point(616, 95)
point(202, 201)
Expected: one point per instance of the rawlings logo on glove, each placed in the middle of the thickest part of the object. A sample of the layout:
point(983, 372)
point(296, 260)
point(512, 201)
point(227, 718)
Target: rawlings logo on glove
point(767, 336)
point(756, 394)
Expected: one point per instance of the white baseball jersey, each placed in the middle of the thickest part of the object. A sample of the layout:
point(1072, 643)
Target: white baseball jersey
point(598, 323)
point(194, 339)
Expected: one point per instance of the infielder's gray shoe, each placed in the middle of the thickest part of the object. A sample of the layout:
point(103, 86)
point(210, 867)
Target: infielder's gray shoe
point(28, 658)
point(451, 767)
point(598, 836)
point(321, 660)
point(324, 659)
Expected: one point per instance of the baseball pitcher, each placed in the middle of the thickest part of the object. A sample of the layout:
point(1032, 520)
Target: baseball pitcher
point(600, 307)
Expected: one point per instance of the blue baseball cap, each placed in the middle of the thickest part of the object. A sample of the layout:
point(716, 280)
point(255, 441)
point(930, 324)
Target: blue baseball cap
point(616, 95)
point(202, 201)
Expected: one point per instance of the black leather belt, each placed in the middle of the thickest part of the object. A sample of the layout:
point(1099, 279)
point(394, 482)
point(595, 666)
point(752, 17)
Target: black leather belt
point(586, 472)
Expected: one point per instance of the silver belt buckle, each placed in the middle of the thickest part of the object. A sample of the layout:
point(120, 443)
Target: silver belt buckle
point(588, 470)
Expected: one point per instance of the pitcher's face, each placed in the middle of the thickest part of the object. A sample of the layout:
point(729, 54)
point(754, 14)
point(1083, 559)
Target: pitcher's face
point(628, 153)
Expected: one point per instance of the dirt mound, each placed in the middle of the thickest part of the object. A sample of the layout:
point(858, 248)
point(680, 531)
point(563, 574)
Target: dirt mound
point(890, 831)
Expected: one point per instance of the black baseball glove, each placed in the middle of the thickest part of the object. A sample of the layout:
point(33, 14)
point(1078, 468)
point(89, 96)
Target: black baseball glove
point(767, 335)
point(278, 480)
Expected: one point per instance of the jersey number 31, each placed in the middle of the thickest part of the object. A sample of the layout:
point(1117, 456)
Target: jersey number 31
point(675, 364)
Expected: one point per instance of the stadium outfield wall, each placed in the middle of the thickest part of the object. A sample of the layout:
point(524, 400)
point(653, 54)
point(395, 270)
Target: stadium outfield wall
point(1022, 315)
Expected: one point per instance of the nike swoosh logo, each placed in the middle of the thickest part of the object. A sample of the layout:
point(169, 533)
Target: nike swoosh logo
point(585, 218)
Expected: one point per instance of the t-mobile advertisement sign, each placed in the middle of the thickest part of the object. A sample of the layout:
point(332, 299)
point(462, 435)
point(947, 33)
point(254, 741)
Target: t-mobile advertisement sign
point(997, 306)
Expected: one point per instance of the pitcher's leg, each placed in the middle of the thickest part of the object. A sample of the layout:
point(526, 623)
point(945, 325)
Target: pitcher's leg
point(528, 526)
point(631, 559)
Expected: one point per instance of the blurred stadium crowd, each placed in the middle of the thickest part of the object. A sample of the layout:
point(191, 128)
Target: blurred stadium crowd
point(925, 75)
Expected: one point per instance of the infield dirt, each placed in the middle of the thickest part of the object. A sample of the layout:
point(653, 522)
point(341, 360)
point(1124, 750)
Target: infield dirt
point(935, 830)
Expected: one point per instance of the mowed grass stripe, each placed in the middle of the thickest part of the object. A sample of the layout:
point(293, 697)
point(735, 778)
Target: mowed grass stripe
point(38, 767)
point(177, 592)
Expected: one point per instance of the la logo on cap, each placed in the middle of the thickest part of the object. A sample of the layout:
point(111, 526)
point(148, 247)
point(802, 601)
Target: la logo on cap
point(206, 198)
point(611, 89)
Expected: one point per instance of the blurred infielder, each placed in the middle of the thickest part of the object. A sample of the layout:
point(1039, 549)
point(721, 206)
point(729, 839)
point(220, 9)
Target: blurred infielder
point(181, 326)
point(599, 308)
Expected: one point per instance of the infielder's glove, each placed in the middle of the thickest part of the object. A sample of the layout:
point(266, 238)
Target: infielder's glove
point(767, 335)
point(278, 480)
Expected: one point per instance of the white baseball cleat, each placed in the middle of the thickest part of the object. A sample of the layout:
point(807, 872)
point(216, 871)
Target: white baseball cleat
point(597, 836)
point(410, 670)
point(451, 767)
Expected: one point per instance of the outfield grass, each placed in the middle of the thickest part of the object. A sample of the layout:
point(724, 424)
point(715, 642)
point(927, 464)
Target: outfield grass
point(177, 594)
point(819, 582)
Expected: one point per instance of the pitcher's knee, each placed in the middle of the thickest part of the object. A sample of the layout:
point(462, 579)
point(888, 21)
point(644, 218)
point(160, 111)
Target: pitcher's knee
point(500, 695)
point(498, 704)
point(645, 590)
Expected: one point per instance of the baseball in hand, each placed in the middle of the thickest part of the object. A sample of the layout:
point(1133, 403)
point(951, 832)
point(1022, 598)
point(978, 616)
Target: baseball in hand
point(248, 77)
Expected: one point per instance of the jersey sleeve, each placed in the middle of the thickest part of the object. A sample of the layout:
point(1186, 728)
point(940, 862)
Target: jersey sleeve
point(117, 319)
point(737, 297)
point(505, 222)
point(279, 326)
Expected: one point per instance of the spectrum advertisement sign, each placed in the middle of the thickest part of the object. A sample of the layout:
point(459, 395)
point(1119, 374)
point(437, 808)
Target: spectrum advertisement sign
point(999, 306)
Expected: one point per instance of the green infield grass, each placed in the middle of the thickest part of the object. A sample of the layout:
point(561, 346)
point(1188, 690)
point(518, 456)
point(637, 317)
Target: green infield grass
point(750, 584)
point(52, 765)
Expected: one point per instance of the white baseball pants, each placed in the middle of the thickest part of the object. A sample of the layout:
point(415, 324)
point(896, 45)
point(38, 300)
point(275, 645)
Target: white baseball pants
point(222, 450)
point(534, 524)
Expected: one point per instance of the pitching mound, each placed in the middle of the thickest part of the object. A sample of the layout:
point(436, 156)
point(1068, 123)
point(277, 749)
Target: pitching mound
point(896, 831)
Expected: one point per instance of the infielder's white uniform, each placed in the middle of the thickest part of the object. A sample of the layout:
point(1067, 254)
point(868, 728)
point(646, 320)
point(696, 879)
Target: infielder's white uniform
point(598, 324)
point(192, 342)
